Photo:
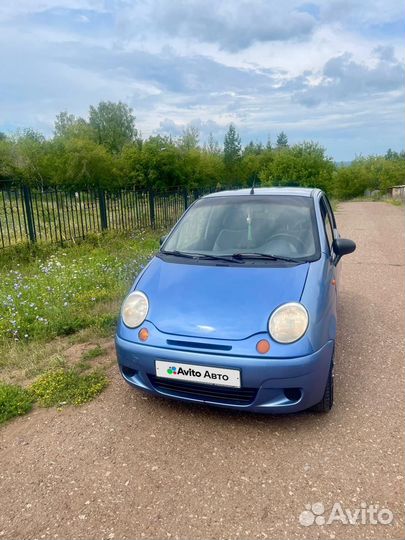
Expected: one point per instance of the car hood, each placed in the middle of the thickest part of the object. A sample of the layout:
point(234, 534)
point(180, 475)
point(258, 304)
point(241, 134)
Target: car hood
point(221, 302)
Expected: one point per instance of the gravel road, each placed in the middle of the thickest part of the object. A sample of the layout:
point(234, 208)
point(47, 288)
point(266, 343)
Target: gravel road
point(132, 466)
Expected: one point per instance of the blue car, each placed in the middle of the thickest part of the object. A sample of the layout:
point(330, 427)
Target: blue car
point(238, 307)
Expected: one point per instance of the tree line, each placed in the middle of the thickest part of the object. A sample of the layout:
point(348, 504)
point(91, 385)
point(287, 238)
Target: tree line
point(106, 150)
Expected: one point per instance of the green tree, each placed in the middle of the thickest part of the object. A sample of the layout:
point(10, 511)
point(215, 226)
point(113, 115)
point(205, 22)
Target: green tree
point(232, 155)
point(63, 122)
point(69, 126)
point(113, 125)
point(7, 169)
point(253, 149)
point(394, 156)
point(211, 169)
point(189, 139)
point(352, 180)
point(106, 151)
point(212, 146)
point(370, 173)
point(163, 164)
point(131, 167)
point(31, 158)
point(304, 164)
point(282, 140)
point(85, 164)
point(232, 146)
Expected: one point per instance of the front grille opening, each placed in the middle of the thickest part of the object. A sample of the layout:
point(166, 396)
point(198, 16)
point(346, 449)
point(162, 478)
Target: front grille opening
point(194, 345)
point(206, 392)
point(293, 394)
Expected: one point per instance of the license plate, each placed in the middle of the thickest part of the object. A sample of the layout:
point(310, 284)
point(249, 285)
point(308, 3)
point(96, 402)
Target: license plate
point(177, 371)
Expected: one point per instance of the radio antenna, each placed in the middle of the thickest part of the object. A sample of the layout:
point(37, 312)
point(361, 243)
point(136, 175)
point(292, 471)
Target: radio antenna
point(252, 191)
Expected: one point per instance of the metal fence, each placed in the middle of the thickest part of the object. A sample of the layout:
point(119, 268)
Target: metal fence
point(55, 215)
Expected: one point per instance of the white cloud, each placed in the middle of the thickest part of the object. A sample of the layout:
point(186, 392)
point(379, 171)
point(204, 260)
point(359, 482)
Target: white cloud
point(343, 79)
point(10, 9)
point(231, 25)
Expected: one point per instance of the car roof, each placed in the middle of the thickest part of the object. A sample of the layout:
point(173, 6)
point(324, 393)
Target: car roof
point(295, 191)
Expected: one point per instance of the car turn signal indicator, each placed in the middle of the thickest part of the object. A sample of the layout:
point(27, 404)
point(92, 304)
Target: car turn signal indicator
point(143, 334)
point(263, 346)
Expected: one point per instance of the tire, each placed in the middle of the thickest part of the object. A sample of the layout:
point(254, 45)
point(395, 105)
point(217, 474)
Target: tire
point(326, 403)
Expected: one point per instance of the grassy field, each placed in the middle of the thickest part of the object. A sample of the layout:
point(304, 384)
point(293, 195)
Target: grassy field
point(53, 298)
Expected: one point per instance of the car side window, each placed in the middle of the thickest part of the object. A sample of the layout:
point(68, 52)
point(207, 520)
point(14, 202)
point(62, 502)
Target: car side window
point(330, 211)
point(328, 223)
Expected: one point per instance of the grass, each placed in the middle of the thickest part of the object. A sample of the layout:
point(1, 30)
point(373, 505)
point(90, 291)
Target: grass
point(67, 387)
point(378, 198)
point(53, 388)
point(70, 289)
point(53, 297)
point(85, 361)
point(14, 401)
point(395, 202)
point(93, 353)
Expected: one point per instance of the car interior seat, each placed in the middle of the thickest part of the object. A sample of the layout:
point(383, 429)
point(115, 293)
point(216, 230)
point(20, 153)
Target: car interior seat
point(234, 232)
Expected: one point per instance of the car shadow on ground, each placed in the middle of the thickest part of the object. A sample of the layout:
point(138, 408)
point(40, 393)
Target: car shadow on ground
point(179, 413)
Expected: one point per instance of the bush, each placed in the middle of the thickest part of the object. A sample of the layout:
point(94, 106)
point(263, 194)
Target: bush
point(305, 165)
point(67, 387)
point(14, 401)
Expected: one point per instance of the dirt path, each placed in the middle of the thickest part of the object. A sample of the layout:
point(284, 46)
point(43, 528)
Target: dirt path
point(131, 466)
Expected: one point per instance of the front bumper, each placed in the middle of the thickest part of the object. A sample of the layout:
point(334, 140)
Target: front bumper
point(269, 385)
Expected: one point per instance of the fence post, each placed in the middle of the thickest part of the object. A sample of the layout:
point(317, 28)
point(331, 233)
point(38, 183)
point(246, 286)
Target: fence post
point(185, 197)
point(103, 209)
point(29, 213)
point(152, 208)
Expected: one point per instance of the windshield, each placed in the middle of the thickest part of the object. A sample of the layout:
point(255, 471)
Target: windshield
point(273, 225)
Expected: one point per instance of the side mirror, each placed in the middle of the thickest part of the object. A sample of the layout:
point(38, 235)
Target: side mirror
point(162, 239)
point(342, 246)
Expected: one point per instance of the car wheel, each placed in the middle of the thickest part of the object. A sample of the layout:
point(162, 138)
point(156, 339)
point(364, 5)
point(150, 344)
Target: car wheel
point(326, 402)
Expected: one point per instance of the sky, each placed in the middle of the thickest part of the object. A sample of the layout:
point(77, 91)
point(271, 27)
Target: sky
point(329, 71)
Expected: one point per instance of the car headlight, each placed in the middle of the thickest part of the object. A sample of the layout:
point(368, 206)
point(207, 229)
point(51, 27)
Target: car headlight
point(288, 323)
point(134, 309)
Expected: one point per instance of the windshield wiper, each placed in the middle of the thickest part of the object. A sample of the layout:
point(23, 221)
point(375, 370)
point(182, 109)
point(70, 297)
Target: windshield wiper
point(197, 256)
point(177, 253)
point(227, 258)
point(267, 256)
